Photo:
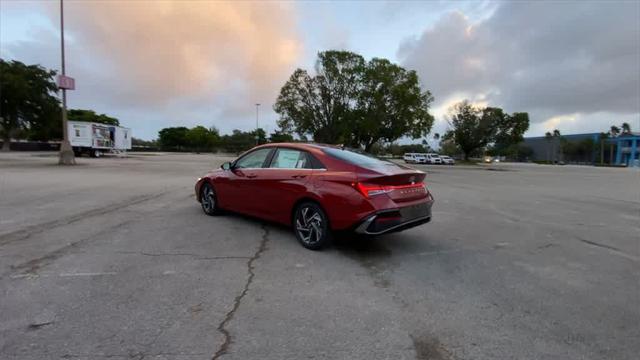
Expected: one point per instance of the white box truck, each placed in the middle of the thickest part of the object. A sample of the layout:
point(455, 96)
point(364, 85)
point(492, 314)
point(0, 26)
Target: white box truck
point(96, 139)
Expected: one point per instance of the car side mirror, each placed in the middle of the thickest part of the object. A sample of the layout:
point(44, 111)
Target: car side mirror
point(226, 166)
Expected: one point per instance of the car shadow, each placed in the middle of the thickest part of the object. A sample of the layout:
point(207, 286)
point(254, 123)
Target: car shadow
point(366, 249)
point(360, 246)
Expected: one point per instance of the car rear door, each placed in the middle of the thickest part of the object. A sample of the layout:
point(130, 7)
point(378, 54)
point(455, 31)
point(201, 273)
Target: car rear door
point(284, 182)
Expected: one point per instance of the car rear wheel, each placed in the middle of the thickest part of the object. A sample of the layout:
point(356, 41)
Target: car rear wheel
point(311, 226)
point(208, 200)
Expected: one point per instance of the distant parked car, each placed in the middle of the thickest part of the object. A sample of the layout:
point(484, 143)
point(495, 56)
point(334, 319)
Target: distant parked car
point(432, 158)
point(414, 158)
point(447, 160)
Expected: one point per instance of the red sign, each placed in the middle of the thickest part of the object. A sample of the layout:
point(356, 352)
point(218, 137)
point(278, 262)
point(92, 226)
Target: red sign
point(66, 82)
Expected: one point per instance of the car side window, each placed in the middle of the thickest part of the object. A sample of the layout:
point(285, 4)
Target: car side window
point(254, 159)
point(290, 159)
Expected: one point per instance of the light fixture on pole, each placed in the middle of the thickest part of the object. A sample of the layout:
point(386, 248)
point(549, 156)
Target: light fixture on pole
point(66, 155)
point(257, 136)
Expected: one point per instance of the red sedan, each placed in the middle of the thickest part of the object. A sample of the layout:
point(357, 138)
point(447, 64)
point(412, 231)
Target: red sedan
point(317, 189)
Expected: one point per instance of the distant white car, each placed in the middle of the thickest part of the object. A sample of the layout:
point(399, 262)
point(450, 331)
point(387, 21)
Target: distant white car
point(447, 160)
point(414, 158)
point(433, 158)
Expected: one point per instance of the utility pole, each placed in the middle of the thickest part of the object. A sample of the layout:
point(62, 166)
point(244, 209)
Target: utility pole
point(66, 156)
point(257, 137)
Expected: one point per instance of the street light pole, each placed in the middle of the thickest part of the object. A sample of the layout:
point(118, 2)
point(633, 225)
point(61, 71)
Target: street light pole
point(66, 156)
point(257, 137)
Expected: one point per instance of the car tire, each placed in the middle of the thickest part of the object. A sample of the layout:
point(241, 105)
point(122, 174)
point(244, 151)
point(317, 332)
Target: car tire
point(208, 200)
point(311, 226)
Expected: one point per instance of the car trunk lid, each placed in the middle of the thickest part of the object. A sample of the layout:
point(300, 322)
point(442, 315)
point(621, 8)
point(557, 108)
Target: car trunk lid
point(399, 183)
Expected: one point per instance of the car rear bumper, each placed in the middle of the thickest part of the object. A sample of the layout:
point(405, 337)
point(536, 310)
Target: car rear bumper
point(393, 220)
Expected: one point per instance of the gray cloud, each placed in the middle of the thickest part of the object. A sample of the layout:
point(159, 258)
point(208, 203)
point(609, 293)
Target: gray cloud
point(548, 58)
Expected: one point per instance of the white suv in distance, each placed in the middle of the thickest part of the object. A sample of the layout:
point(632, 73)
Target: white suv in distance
point(447, 160)
point(414, 158)
point(433, 158)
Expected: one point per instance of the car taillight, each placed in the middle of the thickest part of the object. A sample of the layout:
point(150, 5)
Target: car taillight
point(369, 190)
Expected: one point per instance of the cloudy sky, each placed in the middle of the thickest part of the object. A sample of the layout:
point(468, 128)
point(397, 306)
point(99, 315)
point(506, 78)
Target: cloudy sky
point(573, 65)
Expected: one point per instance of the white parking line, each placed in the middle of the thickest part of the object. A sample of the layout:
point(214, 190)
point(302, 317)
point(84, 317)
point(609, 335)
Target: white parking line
point(87, 274)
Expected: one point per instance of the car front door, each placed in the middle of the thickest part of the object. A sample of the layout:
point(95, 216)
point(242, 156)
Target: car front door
point(239, 191)
point(284, 182)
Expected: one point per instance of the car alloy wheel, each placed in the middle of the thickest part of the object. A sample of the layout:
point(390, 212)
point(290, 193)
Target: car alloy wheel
point(311, 226)
point(208, 199)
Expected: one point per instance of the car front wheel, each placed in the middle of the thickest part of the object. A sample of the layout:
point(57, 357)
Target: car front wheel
point(208, 200)
point(311, 226)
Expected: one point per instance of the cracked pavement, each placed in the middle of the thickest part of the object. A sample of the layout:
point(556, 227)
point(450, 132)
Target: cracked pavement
point(114, 259)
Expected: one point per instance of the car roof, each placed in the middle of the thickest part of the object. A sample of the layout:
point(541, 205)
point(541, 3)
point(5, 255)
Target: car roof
point(299, 145)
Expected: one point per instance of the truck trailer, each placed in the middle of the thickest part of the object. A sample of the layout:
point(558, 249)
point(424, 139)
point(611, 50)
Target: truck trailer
point(96, 139)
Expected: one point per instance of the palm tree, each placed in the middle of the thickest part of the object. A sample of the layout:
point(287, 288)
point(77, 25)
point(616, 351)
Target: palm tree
point(626, 128)
point(603, 138)
point(614, 132)
point(556, 134)
point(549, 138)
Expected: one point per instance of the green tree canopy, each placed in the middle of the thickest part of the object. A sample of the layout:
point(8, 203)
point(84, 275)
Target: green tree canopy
point(280, 136)
point(173, 138)
point(26, 99)
point(239, 141)
point(353, 101)
point(200, 138)
point(91, 116)
point(390, 105)
point(473, 128)
point(510, 131)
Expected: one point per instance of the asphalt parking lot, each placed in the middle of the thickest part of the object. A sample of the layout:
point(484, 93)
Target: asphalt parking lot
point(114, 259)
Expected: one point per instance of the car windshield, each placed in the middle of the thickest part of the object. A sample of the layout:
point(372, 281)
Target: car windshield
point(357, 158)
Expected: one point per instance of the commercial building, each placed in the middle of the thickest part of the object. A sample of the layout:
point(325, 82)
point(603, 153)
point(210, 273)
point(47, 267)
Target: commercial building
point(622, 150)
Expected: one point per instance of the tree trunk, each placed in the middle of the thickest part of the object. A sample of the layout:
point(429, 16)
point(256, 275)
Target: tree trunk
point(611, 154)
point(368, 145)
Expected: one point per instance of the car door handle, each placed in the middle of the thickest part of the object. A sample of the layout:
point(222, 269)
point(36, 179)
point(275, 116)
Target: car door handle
point(251, 176)
point(299, 176)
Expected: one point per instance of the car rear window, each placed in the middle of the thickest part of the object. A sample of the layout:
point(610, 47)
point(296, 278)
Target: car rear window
point(357, 158)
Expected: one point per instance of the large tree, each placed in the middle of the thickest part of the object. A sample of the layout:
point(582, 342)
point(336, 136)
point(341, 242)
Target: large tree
point(26, 98)
point(510, 129)
point(353, 101)
point(200, 138)
point(322, 105)
point(91, 116)
point(390, 105)
point(173, 138)
point(473, 128)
